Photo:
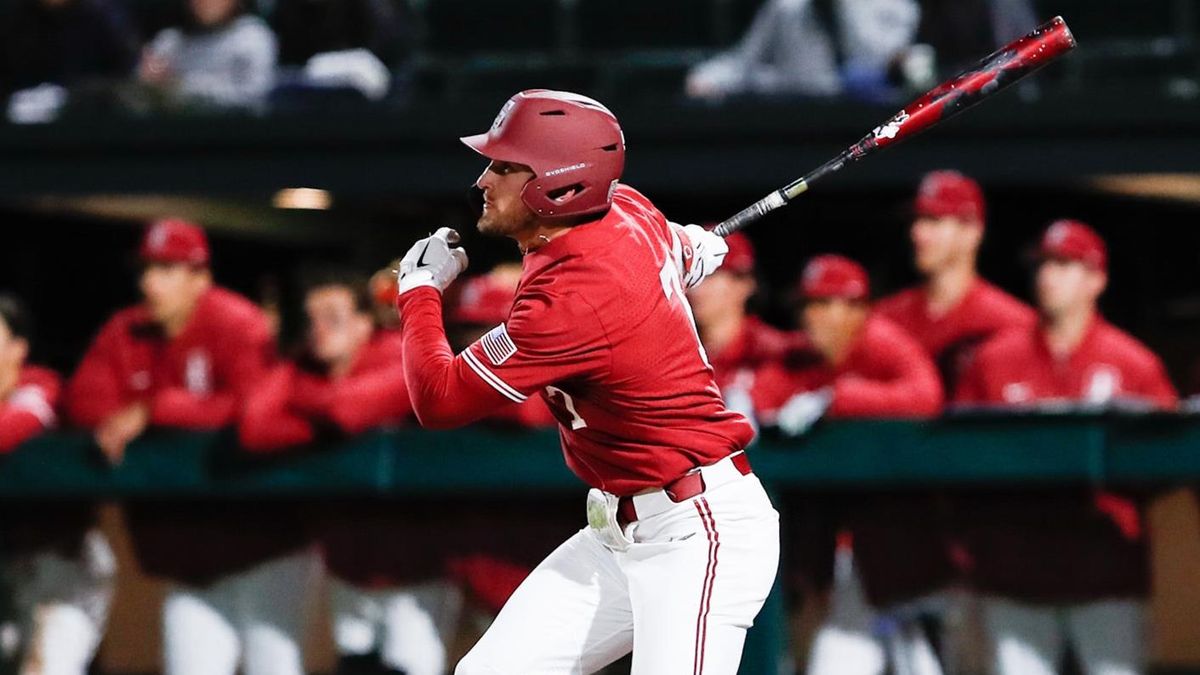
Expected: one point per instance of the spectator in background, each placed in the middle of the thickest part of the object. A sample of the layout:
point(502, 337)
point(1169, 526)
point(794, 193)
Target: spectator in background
point(348, 380)
point(47, 46)
point(801, 47)
point(1068, 566)
point(59, 568)
point(186, 358)
point(738, 344)
point(224, 56)
point(854, 365)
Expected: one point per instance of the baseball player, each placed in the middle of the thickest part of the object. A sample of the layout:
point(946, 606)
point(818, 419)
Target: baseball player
point(186, 357)
point(1068, 565)
point(738, 343)
point(682, 543)
point(856, 364)
point(950, 314)
point(57, 563)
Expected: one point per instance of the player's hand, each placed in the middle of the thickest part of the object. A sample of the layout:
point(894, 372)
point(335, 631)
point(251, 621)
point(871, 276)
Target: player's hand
point(119, 430)
point(802, 411)
point(433, 261)
point(703, 253)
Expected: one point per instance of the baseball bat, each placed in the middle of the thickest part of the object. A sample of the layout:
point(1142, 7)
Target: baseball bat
point(1007, 65)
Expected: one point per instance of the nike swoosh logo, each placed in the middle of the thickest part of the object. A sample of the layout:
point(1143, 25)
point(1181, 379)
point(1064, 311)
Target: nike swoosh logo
point(421, 260)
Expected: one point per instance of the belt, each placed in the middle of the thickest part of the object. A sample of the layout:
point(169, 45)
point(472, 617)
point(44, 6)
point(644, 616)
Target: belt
point(691, 484)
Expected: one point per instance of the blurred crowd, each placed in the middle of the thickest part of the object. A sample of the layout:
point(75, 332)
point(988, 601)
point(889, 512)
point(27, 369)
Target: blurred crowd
point(196, 53)
point(1047, 570)
point(236, 54)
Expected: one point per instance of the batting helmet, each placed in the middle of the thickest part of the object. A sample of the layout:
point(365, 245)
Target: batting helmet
point(573, 144)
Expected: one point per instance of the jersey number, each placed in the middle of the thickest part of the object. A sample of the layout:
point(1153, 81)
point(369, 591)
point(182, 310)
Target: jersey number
point(577, 422)
point(673, 288)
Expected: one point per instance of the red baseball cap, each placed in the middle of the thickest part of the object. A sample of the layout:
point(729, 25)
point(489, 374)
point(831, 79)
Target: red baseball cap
point(834, 276)
point(172, 240)
point(740, 259)
point(484, 300)
point(1074, 240)
point(950, 193)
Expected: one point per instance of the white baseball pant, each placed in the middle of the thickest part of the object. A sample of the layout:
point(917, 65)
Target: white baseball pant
point(1107, 636)
point(62, 606)
point(408, 626)
point(681, 596)
point(254, 618)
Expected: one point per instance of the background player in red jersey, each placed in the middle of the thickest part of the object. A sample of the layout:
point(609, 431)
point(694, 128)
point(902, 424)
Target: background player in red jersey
point(738, 343)
point(1068, 566)
point(854, 364)
point(682, 542)
point(186, 357)
point(59, 568)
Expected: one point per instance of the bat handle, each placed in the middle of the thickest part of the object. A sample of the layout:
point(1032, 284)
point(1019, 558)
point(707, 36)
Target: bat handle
point(751, 213)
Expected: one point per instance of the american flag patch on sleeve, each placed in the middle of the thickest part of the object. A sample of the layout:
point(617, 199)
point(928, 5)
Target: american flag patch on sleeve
point(497, 345)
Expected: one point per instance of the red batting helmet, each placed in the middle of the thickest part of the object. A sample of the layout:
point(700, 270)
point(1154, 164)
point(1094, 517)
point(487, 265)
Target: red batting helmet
point(573, 144)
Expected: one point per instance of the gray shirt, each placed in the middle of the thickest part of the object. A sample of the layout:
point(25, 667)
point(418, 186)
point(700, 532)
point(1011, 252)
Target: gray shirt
point(230, 66)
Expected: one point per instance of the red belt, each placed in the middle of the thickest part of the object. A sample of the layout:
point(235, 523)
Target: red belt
point(691, 484)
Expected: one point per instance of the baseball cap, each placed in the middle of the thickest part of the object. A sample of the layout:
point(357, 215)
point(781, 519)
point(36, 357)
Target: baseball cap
point(172, 240)
point(949, 193)
point(1074, 240)
point(834, 276)
point(740, 259)
point(483, 300)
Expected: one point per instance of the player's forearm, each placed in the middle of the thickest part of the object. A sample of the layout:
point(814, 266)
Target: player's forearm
point(369, 401)
point(179, 408)
point(441, 396)
point(861, 398)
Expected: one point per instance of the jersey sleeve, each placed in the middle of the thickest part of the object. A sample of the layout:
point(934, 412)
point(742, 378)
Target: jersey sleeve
point(29, 411)
point(911, 388)
point(547, 339)
point(370, 400)
point(266, 423)
point(1155, 386)
point(94, 392)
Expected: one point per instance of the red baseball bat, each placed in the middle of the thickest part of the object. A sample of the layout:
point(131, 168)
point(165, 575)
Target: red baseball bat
point(1007, 65)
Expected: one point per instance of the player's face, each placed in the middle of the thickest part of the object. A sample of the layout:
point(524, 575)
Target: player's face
point(336, 328)
point(1066, 286)
point(720, 295)
point(212, 12)
point(833, 325)
point(939, 243)
point(13, 351)
point(504, 212)
point(171, 291)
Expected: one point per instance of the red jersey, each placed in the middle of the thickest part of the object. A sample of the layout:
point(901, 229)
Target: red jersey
point(30, 407)
point(195, 380)
point(952, 338)
point(756, 346)
point(1018, 368)
point(1065, 544)
point(601, 329)
point(283, 408)
point(886, 374)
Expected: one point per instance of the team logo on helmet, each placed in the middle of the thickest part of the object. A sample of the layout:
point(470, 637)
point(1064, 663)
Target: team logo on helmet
point(503, 114)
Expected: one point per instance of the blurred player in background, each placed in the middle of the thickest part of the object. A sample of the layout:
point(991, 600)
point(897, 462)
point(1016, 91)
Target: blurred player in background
point(852, 364)
point(738, 343)
point(186, 357)
point(58, 566)
point(601, 329)
point(1064, 566)
point(350, 379)
point(950, 314)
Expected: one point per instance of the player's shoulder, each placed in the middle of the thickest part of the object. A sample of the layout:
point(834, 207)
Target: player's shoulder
point(900, 303)
point(990, 298)
point(223, 306)
point(1009, 345)
point(629, 197)
point(43, 378)
point(385, 348)
point(1113, 341)
point(880, 329)
point(767, 340)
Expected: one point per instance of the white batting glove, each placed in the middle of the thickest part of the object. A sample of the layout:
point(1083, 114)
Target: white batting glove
point(703, 252)
point(433, 261)
point(802, 411)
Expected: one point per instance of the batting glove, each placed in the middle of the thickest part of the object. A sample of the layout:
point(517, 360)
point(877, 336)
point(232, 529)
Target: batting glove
point(802, 411)
point(433, 261)
point(702, 253)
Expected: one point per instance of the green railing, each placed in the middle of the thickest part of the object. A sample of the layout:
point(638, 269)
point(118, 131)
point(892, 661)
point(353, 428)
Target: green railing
point(964, 451)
